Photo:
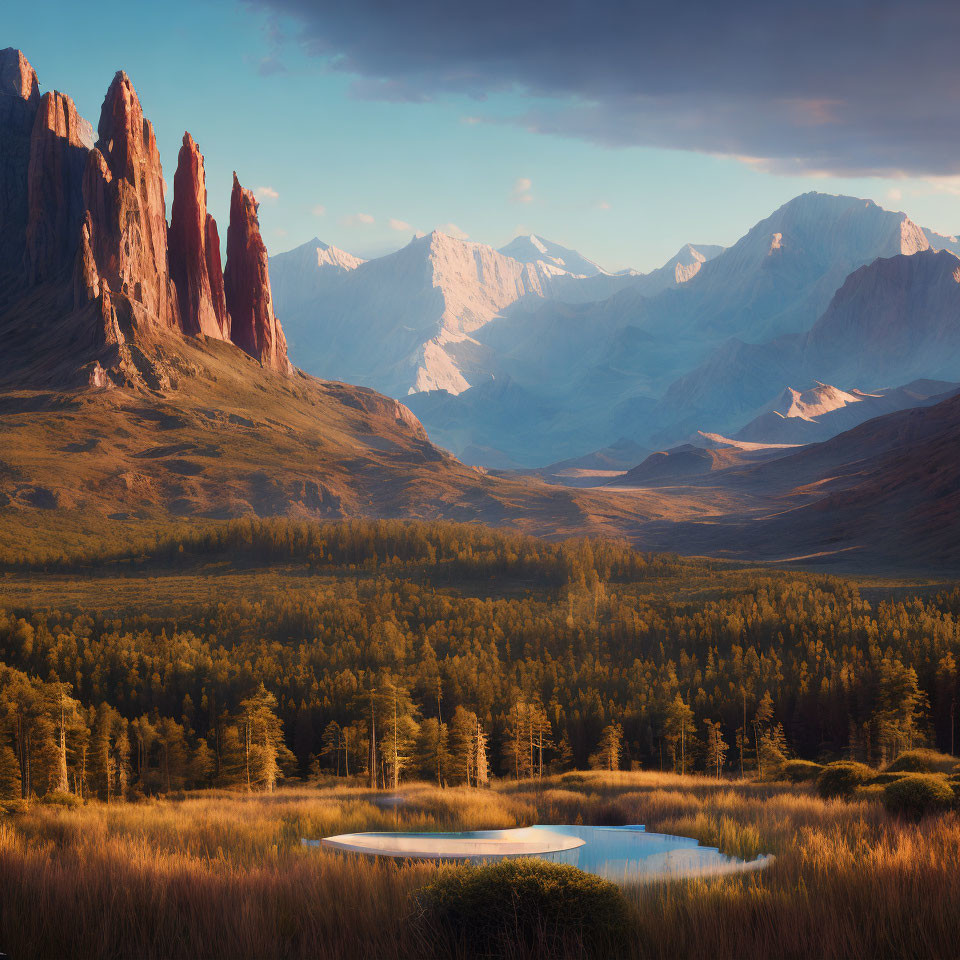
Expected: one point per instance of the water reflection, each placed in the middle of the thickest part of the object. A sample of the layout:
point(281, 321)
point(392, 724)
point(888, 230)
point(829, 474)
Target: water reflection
point(621, 854)
point(626, 854)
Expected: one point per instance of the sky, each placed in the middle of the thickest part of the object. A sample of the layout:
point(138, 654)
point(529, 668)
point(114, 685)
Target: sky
point(623, 129)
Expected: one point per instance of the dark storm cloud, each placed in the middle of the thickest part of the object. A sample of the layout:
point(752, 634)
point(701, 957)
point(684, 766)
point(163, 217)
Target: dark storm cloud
point(849, 87)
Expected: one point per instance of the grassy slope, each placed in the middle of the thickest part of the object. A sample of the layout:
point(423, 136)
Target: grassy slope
point(225, 875)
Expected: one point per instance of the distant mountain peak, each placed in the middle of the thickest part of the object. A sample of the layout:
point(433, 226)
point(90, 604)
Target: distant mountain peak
point(533, 248)
point(812, 403)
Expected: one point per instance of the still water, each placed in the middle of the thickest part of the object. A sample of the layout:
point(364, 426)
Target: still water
point(625, 854)
point(621, 854)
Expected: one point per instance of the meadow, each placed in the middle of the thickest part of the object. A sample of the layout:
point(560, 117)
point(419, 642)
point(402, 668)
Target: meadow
point(223, 874)
point(178, 713)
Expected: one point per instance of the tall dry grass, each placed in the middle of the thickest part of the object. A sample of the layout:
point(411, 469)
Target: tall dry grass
point(224, 875)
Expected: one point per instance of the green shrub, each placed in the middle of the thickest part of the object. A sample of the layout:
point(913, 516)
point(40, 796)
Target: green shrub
point(521, 908)
point(57, 798)
point(800, 771)
point(923, 761)
point(842, 778)
point(884, 777)
point(915, 795)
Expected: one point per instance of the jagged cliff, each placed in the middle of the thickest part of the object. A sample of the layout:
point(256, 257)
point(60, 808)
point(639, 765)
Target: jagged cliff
point(19, 98)
point(123, 192)
point(84, 224)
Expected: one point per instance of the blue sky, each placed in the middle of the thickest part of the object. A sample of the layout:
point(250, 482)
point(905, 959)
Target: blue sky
point(361, 149)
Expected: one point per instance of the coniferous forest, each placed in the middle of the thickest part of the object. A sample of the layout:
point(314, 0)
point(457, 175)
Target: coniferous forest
point(255, 652)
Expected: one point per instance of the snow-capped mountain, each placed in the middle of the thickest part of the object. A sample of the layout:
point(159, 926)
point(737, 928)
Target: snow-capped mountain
point(779, 277)
point(405, 323)
point(583, 358)
point(823, 411)
point(534, 249)
point(680, 268)
point(892, 321)
point(305, 273)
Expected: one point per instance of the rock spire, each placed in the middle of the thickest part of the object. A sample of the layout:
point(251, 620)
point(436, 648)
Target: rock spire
point(255, 328)
point(195, 249)
point(123, 192)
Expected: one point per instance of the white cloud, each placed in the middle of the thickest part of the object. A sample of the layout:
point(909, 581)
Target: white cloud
point(400, 225)
point(521, 190)
point(357, 220)
point(894, 194)
point(604, 205)
point(266, 193)
point(949, 185)
point(318, 210)
point(452, 230)
point(471, 121)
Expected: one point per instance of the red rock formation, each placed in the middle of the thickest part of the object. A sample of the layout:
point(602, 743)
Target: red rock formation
point(215, 274)
point(86, 279)
point(193, 268)
point(19, 97)
point(17, 77)
point(58, 154)
point(123, 191)
point(255, 329)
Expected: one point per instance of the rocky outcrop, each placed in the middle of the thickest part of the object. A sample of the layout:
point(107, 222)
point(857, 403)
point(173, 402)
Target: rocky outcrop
point(58, 154)
point(86, 279)
point(195, 249)
point(17, 77)
point(19, 98)
point(123, 192)
point(254, 327)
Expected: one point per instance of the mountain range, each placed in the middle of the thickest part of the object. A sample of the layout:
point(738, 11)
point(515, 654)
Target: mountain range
point(792, 396)
point(534, 354)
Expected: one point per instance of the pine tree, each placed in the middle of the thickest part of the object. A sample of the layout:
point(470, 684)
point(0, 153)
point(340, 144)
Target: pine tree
point(678, 730)
point(432, 751)
point(609, 749)
point(564, 760)
point(518, 741)
point(65, 713)
point(716, 748)
point(899, 707)
point(481, 773)
point(174, 756)
point(331, 745)
point(463, 730)
point(262, 739)
point(761, 721)
point(201, 764)
point(143, 736)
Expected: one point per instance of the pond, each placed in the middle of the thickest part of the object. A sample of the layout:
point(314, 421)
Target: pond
point(622, 854)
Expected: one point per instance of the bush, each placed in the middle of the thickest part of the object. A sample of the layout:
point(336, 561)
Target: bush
point(521, 907)
point(883, 778)
point(842, 778)
point(923, 761)
point(801, 771)
point(57, 798)
point(915, 795)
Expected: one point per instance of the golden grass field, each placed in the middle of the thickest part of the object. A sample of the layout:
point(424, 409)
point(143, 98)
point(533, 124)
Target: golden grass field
point(224, 874)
